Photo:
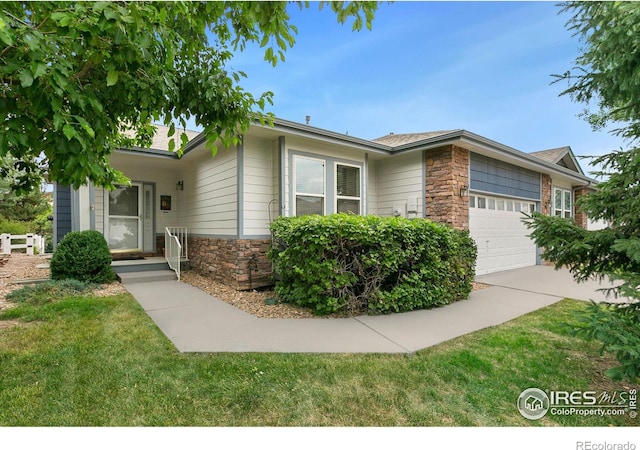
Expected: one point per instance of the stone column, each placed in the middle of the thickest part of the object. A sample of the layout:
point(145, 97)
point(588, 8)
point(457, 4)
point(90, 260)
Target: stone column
point(546, 195)
point(580, 217)
point(447, 172)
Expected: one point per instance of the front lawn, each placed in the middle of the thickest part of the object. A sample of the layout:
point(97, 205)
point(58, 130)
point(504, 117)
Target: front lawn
point(84, 361)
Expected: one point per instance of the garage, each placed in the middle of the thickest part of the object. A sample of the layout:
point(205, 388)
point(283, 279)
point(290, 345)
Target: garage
point(495, 224)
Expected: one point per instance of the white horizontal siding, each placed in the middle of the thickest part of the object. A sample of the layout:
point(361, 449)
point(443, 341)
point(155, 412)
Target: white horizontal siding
point(99, 208)
point(258, 185)
point(209, 200)
point(275, 179)
point(399, 179)
point(371, 185)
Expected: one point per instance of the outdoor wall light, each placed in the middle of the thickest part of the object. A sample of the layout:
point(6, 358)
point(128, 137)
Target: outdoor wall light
point(180, 185)
point(464, 191)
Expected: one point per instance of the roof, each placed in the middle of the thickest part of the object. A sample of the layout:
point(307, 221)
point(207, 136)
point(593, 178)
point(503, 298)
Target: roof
point(393, 144)
point(562, 156)
point(395, 140)
point(552, 155)
point(160, 141)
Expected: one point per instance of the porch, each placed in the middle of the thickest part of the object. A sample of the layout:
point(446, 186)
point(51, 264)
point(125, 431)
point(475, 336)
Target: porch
point(147, 269)
point(139, 267)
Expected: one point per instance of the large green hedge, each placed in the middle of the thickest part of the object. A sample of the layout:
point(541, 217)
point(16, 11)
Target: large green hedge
point(370, 264)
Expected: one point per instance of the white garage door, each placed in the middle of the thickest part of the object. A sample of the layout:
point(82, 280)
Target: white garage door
point(496, 226)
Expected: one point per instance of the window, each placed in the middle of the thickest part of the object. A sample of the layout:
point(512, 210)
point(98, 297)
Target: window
point(317, 190)
point(309, 186)
point(502, 204)
point(347, 189)
point(562, 203)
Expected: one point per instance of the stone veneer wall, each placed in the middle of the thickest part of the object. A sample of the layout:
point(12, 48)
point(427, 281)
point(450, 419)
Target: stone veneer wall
point(580, 217)
point(545, 197)
point(546, 194)
point(239, 263)
point(447, 171)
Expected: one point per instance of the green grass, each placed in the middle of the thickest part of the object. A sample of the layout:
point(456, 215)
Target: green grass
point(83, 361)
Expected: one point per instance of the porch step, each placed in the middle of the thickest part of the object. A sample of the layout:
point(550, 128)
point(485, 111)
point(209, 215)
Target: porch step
point(146, 276)
point(146, 265)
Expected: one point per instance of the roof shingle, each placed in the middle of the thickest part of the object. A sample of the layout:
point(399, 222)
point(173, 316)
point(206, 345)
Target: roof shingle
point(395, 140)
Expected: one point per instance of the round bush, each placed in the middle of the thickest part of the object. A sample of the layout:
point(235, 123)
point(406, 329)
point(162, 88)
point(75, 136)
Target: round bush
point(83, 256)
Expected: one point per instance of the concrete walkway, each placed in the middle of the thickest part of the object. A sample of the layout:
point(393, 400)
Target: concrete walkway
point(197, 322)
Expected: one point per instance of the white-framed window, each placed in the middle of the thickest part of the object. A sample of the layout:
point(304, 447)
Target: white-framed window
point(348, 189)
point(325, 185)
point(501, 204)
point(562, 202)
point(309, 184)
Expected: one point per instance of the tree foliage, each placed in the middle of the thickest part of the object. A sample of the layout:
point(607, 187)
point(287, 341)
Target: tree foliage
point(23, 207)
point(75, 76)
point(607, 75)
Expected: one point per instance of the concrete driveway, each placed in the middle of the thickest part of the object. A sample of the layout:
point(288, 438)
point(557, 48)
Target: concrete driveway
point(197, 322)
point(547, 280)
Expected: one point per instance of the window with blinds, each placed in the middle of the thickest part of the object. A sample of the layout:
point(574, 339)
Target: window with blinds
point(317, 190)
point(347, 189)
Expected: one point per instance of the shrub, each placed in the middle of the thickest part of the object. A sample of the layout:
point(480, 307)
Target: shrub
point(372, 264)
point(617, 327)
point(84, 256)
point(48, 291)
point(13, 226)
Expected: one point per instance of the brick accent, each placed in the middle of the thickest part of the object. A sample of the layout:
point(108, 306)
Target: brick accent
point(580, 217)
point(239, 263)
point(546, 194)
point(447, 171)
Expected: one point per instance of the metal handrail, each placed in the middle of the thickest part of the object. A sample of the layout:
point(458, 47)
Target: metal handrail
point(175, 247)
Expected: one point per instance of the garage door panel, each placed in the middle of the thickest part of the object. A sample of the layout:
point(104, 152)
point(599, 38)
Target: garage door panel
point(502, 240)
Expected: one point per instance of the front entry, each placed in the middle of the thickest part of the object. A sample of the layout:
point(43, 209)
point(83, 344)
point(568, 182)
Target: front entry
point(124, 224)
point(130, 224)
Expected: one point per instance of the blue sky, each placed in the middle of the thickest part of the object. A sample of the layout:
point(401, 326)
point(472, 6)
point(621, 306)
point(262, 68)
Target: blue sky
point(482, 66)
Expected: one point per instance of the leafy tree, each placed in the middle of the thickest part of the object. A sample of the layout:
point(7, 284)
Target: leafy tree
point(74, 76)
point(21, 207)
point(607, 76)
